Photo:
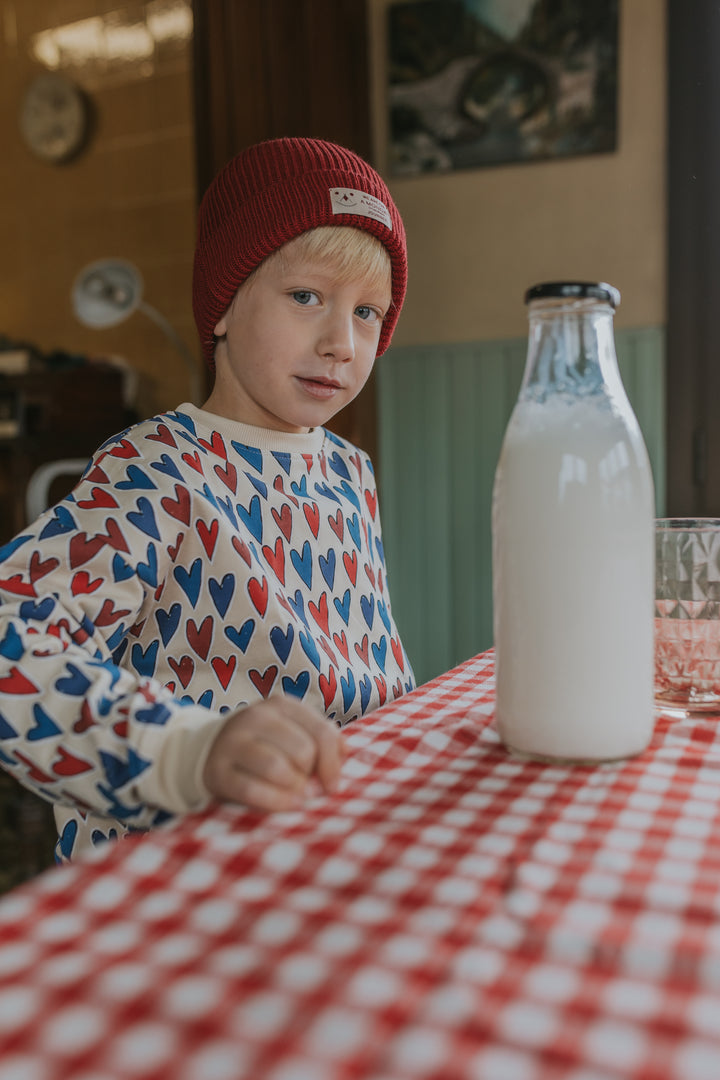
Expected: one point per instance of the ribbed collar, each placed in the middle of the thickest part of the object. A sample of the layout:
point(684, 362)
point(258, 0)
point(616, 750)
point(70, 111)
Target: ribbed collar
point(263, 438)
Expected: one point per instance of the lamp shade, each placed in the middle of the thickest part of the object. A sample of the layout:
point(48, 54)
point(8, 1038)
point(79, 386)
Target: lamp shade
point(106, 293)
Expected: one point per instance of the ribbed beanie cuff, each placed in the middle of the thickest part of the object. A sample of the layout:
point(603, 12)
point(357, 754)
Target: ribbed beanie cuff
point(269, 194)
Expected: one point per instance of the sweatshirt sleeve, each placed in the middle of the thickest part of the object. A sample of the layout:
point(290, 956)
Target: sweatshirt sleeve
point(75, 726)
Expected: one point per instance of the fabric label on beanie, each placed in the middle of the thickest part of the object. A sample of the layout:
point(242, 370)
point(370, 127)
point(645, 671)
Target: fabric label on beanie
point(350, 201)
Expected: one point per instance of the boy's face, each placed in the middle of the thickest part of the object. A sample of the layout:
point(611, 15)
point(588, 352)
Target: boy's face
point(296, 345)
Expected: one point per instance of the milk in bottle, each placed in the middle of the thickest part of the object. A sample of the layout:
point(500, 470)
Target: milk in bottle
point(573, 543)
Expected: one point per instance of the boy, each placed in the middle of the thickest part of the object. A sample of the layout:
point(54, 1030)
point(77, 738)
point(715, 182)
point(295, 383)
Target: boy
point(185, 623)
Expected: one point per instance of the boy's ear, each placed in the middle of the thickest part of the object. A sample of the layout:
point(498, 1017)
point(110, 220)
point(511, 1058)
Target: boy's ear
point(220, 329)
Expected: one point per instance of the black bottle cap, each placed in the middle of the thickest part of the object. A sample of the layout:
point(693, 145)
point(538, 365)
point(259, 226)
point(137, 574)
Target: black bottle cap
point(599, 290)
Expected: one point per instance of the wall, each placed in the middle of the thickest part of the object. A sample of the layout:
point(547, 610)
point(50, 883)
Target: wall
point(130, 194)
point(478, 237)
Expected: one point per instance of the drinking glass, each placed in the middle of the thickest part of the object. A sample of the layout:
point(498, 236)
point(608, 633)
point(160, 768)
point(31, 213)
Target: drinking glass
point(687, 616)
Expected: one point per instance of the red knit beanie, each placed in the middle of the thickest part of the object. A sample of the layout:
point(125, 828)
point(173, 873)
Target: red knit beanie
point(269, 194)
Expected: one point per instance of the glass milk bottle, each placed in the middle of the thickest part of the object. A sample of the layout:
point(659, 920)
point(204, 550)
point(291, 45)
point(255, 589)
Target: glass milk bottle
point(573, 542)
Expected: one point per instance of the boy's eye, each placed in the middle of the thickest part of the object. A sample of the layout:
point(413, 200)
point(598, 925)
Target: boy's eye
point(368, 314)
point(304, 297)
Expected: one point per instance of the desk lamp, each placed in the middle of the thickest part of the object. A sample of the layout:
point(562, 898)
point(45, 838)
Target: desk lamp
point(108, 291)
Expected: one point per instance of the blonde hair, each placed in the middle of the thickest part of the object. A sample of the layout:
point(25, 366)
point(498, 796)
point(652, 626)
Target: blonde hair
point(349, 252)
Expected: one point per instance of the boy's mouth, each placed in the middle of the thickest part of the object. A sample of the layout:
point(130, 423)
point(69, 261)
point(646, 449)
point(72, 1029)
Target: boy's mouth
point(319, 386)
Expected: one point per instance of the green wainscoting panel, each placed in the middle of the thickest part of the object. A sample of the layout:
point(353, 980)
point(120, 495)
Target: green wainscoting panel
point(442, 415)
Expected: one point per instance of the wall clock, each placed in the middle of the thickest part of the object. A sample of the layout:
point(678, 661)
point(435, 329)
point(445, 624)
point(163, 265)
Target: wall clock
point(54, 117)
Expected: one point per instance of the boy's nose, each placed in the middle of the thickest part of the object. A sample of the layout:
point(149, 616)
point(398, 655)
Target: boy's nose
point(337, 339)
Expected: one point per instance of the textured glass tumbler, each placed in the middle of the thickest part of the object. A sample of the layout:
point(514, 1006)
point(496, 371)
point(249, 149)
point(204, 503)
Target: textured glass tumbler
point(687, 615)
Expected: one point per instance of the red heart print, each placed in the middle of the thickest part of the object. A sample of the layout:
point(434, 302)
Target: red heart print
point(228, 476)
point(67, 764)
point(312, 516)
point(17, 683)
point(193, 460)
point(283, 520)
point(109, 614)
point(124, 449)
point(179, 507)
point(263, 683)
point(183, 668)
point(351, 565)
point(224, 669)
point(174, 548)
point(328, 686)
point(382, 688)
point(17, 585)
point(114, 536)
point(259, 594)
point(97, 475)
point(216, 444)
point(82, 548)
point(280, 486)
point(200, 637)
point(342, 644)
point(325, 646)
point(242, 549)
point(86, 719)
point(81, 583)
point(337, 524)
point(362, 650)
point(276, 559)
point(397, 649)
point(319, 613)
point(208, 536)
point(99, 497)
point(371, 500)
point(163, 435)
point(39, 568)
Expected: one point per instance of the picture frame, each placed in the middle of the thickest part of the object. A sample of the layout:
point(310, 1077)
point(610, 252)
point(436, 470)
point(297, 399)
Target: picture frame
point(476, 83)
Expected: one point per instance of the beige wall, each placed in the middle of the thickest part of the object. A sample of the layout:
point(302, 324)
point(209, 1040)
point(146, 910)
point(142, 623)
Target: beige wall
point(477, 238)
point(130, 194)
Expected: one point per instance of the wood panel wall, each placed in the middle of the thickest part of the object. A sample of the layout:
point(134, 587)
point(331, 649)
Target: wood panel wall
point(270, 68)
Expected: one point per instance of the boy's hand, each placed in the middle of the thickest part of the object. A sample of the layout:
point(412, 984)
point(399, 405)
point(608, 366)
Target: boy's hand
point(266, 754)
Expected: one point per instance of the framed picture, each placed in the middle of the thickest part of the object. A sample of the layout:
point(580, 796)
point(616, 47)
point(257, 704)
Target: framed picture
point(473, 83)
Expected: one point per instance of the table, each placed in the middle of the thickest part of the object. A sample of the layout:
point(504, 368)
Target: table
point(453, 913)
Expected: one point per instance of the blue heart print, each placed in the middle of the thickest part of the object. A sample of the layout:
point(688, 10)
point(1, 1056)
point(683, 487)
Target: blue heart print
point(343, 606)
point(353, 525)
point(12, 546)
point(37, 610)
point(297, 603)
point(45, 727)
point(147, 571)
point(222, 592)
point(144, 518)
point(297, 687)
point(338, 465)
point(167, 465)
point(251, 454)
point(144, 662)
point(241, 637)
point(136, 478)
point(367, 605)
point(326, 492)
point(282, 642)
point(258, 484)
point(310, 649)
point(327, 567)
point(11, 646)
point(347, 492)
point(190, 581)
point(62, 522)
point(348, 689)
point(168, 621)
point(74, 683)
point(303, 563)
point(379, 651)
point(67, 838)
point(283, 459)
point(226, 506)
point(365, 692)
point(121, 570)
point(252, 517)
point(383, 613)
point(300, 489)
point(7, 731)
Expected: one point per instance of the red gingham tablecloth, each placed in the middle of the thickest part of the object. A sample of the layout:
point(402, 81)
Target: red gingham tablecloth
point(454, 913)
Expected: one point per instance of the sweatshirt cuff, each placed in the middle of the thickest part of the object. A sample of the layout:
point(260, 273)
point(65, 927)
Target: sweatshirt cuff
point(178, 751)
